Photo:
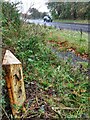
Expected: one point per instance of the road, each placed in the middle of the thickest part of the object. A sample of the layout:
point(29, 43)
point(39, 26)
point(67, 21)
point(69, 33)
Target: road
point(59, 25)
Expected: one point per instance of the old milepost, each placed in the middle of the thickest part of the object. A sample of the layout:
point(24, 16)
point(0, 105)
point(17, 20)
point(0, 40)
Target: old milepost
point(15, 84)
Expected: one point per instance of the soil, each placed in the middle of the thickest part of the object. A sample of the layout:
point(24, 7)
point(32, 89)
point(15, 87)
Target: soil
point(36, 104)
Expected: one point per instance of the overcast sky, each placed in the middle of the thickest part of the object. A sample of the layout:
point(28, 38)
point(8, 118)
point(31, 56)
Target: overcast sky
point(38, 4)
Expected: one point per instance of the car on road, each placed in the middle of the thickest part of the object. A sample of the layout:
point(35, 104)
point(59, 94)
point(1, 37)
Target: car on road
point(47, 19)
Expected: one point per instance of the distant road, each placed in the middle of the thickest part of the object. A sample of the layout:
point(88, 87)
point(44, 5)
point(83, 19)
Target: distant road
point(60, 25)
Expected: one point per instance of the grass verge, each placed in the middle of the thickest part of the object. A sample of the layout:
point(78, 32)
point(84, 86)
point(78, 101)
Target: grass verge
point(73, 21)
point(66, 39)
point(54, 88)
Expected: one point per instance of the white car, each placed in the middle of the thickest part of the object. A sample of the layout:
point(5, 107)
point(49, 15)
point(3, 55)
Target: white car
point(47, 19)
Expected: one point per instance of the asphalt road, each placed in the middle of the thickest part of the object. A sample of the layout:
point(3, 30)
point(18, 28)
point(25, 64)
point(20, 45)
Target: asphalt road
point(59, 25)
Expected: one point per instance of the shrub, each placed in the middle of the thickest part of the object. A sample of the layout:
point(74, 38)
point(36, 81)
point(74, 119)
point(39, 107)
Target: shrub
point(10, 22)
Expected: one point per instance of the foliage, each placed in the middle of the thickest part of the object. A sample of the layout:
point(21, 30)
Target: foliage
point(10, 14)
point(10, 22)
point(55, 89)
point(57, 78)
point(69, 10)
point(35, 14)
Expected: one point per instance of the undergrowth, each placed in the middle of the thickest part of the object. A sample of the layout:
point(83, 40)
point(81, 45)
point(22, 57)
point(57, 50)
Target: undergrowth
point(54, 88)
point(63, 87)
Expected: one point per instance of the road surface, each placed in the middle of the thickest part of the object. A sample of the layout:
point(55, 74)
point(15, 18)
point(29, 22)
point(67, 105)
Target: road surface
point(59, 25)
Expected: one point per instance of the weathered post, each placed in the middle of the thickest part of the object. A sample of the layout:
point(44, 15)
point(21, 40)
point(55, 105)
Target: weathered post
point(14, 80)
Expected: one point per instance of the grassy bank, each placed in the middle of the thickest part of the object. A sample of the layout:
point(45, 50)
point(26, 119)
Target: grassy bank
point(54, 88)
point(73, 21)
point(67, 39)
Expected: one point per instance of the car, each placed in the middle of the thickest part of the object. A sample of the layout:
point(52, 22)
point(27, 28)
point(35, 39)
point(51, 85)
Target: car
point(47, 19)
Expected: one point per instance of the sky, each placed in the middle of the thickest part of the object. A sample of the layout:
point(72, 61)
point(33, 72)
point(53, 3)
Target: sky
point(38, 4)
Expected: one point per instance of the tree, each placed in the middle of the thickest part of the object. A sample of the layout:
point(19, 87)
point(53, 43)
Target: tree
point(69, 10)
point(35, 14)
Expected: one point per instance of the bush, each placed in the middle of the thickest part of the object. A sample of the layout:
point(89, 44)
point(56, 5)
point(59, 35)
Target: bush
point(10, 15)
point(10, 22)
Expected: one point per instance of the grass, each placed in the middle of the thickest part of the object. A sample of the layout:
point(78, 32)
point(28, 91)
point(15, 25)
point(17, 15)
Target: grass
point(73, 21)
point(54, 88)
point(73, 39)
